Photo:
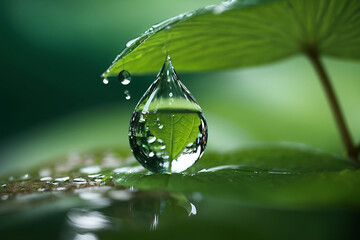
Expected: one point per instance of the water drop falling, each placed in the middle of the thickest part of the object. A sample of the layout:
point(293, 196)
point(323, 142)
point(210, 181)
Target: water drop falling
point(127, 95)
point(105, 81)
point(169, 114)
point(124, 77)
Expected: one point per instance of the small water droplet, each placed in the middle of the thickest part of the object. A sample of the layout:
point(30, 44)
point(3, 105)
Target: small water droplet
point(131, 42)
point(46, 179)
point(151, 154)
point(105, 81)
point(142, 119)
point(170, 94)
point(61, 179)
point(151, 139)
point(79, 180)
point(161, 126)
point(127, 95)
point(124, 77)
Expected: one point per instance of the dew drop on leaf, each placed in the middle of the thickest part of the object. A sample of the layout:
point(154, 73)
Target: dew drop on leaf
point(105, 81)
point(167, 125)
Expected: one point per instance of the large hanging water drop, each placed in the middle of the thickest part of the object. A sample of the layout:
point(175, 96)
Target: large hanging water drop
point(168, 131)
point(124, 77)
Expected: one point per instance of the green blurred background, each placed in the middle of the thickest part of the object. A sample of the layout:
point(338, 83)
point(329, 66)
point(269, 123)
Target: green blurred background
point(54, 102)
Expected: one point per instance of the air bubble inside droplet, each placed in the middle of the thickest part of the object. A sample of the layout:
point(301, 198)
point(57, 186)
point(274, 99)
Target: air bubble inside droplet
point(167, 124)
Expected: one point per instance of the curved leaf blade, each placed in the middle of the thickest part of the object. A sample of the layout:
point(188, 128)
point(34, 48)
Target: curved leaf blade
point(245, 33)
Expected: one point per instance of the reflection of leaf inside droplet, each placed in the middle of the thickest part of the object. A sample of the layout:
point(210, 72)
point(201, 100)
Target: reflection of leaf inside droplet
point(179, 129)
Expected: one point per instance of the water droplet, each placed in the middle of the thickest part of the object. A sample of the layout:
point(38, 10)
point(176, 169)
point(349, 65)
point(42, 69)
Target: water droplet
point(46, 179)
point(90, 169)
point(105, 81)
point(131, 42)
point(127, 95)
point(124, 77)
point(224, 6)
point(167, 112)
point(62, 179)
point(79, 180)
point(151, 139)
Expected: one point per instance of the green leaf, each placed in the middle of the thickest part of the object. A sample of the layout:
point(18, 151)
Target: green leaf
point(245, 33)
point(179, 129)
point(279, 176)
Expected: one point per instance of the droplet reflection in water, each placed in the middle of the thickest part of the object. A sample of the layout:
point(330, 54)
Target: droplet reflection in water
point(168, 131)
point(88, 220)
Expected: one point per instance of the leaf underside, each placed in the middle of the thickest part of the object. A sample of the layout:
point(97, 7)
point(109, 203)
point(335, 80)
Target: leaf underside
point(245, 33)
